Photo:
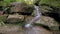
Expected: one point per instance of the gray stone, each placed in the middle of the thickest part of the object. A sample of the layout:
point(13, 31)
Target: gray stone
point(14, 29)
point(15, 18)
point(47, 21)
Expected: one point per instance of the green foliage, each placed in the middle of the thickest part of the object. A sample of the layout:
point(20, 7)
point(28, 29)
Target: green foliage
point(3, 18)
point(54, 28)
point(55, 3)
point(5, 2)
point(19, 0)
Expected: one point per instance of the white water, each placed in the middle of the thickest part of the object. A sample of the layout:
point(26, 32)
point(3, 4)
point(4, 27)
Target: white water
point(37, 16)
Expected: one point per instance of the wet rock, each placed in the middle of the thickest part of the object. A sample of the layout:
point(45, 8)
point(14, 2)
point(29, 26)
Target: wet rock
point(37, 30)
point(15, 18)
point(46, 21)
point(28, 18)
point(13, 29)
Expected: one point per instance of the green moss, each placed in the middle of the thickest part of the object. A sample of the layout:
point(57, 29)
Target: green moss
point(3, 18)
point(54, 28)
point(55, 3)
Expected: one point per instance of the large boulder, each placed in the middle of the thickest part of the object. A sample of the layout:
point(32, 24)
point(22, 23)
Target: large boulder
point(51, 12)
point(15, 18)
point(51, 8)
point(46, 21)
point(21, 8)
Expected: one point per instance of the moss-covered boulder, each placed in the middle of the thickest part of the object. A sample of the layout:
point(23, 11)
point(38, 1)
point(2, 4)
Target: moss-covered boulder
point(48, 21)
point(21, 8)
point(45, 21)
point(15, 19)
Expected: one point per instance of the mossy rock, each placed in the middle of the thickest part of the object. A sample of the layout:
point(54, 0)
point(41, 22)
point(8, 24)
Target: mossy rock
point(21, 8)
point(13, 19)
point(54, 28)
point(51, 23)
